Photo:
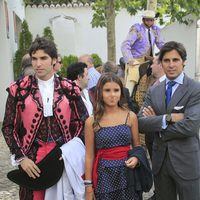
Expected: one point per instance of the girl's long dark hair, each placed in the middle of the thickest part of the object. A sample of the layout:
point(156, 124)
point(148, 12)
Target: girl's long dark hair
point(99, 107)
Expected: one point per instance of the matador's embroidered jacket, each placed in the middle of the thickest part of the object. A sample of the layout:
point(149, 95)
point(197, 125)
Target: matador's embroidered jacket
point(24, 122)
point(136, 45)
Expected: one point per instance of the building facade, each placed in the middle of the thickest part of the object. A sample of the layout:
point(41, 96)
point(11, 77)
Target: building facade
point(12, 14)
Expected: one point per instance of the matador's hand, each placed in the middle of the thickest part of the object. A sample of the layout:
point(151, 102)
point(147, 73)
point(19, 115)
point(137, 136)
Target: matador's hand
point(30, 168)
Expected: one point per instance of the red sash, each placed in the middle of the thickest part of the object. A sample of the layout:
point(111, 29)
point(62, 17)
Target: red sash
point(115, 153)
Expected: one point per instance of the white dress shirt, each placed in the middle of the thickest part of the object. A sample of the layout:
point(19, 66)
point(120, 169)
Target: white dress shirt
point(86, 100)
point(46, 90)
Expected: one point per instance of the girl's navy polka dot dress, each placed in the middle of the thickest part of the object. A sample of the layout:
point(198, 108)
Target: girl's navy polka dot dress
point(112, 182)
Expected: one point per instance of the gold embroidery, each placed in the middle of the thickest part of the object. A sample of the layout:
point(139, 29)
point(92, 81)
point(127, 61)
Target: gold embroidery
point(156, 35)
point(134, 29)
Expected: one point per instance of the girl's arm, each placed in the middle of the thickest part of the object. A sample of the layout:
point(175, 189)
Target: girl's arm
point(134, 129)
point(89, 157)
point(133, 122)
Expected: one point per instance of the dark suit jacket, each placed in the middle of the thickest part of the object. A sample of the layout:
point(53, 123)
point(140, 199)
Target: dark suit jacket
point(181, 139)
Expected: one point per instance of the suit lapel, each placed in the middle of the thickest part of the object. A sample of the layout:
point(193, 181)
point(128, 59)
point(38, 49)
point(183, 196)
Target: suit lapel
point(160, 97)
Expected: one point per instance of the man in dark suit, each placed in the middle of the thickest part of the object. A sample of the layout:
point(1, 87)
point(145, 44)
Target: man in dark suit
point(172, 110)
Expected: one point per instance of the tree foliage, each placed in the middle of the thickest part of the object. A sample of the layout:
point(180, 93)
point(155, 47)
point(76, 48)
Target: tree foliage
point(175, 9)
point(25, 40)
point(99, 16)
point(67, 60)
point(96, 60)
point(47, 33)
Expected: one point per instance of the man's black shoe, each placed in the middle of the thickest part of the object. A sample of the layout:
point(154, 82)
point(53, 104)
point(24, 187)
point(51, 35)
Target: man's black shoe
point(153, 197)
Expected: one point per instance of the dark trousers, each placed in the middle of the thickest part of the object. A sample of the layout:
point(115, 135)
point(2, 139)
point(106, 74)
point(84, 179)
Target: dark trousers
point(168, 184)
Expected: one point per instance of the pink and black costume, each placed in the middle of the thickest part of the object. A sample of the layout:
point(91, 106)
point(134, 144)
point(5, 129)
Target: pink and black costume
point(25, 128)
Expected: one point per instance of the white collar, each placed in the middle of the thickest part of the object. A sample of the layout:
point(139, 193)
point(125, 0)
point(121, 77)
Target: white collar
point(162, 78)
point(46, 83)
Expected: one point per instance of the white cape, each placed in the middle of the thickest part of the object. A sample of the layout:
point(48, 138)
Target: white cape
point(71, 185)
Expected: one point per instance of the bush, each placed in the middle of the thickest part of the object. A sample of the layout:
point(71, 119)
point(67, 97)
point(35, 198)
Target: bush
point(25, 40)
point(96, 59)
point(67, 60)
point(47, 33)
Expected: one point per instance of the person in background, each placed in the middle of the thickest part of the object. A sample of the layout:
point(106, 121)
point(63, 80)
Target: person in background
point(139, 46)
point(78, 72)
point(27, 67)
point(121, 70)
point(42, 111)
point(171, 113)
point(158, 74)
point(93, 74)
point(57, 66)
point(110, 66)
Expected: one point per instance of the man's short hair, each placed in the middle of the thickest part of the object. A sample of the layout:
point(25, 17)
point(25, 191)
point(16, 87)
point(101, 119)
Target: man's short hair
point(42, 43)
point(109, 66)
point(172, 45)
point(75, 69)
point(26, 61)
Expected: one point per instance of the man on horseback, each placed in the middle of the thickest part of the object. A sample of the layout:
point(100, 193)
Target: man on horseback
point(138, 47)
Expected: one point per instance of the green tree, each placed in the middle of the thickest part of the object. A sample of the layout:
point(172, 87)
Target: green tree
point(96, 59)
point(47, 33)
point(25, 40)
point(177, 10)
point(67, 60)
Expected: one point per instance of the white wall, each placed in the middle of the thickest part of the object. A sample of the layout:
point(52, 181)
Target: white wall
point(78, 37)
point(186, 35)
point(7, 48)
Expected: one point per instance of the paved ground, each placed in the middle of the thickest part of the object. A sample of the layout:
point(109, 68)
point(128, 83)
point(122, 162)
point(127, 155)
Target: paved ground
point(9, 190)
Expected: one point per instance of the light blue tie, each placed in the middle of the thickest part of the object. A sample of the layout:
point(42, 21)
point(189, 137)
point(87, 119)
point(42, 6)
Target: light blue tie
point(168, 92)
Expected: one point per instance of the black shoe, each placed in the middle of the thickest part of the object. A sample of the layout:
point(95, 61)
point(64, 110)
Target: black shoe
point(153, 197)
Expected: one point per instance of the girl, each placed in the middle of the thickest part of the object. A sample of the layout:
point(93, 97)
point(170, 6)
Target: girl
point(109, 135)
